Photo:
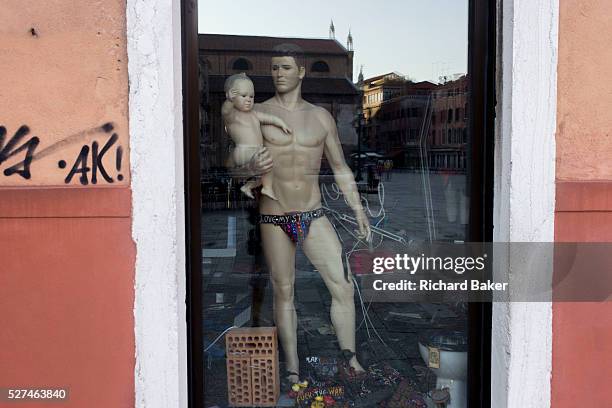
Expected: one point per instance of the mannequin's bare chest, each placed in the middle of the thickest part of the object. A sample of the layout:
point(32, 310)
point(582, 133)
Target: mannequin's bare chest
point(307, 130)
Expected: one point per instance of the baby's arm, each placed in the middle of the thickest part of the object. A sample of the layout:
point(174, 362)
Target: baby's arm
point(267, 119)
point(227, 110)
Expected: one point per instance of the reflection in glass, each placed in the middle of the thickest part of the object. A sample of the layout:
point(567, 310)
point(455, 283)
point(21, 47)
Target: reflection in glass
point(406, 142)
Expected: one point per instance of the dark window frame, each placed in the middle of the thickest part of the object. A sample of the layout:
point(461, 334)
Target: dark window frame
point(193, 244)
point(479, 156)
point(482, 41)
point(320, 67)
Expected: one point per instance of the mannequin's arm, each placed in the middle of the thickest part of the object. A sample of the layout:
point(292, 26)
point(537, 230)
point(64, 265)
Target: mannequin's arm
point(344, 176)
point(260, 163)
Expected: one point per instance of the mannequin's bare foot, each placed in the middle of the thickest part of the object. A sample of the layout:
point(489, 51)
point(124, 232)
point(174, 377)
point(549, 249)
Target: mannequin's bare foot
point(269, 193)
point(246, 190)
point(289, 380)
point(292, 377)
point(355, 364)
point(290, 373)
point(352, 370)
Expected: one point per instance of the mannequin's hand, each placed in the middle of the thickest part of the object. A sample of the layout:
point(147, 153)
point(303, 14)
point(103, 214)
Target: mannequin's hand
point(287, 129)
point(364, 226)
point(261, 162)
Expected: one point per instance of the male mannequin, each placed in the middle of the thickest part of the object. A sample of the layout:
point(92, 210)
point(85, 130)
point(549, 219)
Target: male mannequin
point(294, 161)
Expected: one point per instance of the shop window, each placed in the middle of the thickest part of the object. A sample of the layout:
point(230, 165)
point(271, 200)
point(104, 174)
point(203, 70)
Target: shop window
point(257, 230)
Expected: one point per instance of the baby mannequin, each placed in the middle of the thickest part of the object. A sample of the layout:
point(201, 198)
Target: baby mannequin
point(243, 124)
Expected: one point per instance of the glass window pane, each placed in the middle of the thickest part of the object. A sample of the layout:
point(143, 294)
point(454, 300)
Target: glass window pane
point(364, 121)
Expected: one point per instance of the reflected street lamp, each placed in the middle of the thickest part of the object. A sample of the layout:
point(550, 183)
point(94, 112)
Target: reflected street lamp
point(359, 125)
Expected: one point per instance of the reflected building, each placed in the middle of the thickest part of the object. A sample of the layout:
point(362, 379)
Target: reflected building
point(406, 120)
point(448, 131)
point(328, 83)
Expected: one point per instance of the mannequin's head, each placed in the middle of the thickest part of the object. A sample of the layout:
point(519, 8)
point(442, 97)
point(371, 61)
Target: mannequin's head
point(287, 67)
point(239, 90)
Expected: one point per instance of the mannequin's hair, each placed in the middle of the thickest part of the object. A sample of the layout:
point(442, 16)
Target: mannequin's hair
point(230, 82)
point(290, 50)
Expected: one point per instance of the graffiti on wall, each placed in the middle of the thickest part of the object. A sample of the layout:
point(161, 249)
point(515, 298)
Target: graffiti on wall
point(87, 167)
point(12, 147)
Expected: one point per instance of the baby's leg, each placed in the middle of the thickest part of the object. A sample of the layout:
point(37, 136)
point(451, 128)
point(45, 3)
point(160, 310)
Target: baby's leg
point(266, 182)
point(243, 153)
point(249, 186)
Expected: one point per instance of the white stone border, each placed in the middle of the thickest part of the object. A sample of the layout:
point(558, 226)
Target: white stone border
point(158, 229)
point(524, 193)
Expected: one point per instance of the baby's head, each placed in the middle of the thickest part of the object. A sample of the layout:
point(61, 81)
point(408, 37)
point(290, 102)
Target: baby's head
point(240, 92)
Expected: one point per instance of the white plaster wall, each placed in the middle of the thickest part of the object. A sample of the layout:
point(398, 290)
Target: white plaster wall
point(155, 118)
point(524, 194)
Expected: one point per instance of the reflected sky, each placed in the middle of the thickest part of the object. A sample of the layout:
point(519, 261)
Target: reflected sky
point(423, 39)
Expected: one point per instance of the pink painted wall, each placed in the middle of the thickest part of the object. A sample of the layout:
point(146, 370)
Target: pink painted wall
point(67, 294)
point(584, 114)
point(66, 252)
point(582, 332)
